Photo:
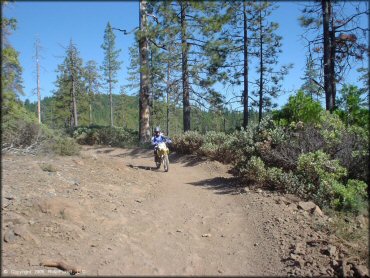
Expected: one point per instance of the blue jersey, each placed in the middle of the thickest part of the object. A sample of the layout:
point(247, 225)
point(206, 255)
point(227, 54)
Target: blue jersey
point(159, 139)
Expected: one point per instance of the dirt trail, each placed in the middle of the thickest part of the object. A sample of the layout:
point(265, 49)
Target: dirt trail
point(108, 212)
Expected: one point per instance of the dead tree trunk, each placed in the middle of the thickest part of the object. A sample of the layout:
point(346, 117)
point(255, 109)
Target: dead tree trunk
point(328, 78)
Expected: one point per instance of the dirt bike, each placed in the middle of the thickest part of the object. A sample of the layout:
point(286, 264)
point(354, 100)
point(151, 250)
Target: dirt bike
point(162, 156)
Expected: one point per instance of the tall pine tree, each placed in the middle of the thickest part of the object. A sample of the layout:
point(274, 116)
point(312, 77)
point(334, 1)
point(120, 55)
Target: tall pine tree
point(110, 65)
point(70, 91)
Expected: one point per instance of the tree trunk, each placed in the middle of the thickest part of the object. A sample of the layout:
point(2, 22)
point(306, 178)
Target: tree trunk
point(74, 103)
point(260, 104)
point(144, 113)
point(185, 70)
point(38, 82)
point(326, 10)
point(90, 114)
point(168, 99)
point(111, 102)
point(245, 45)
point(332, 62)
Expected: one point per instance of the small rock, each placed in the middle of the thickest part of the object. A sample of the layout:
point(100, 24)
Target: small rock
point(361, 270)
point(31, 222)
point(9, 236)
point(361, 221)
point(317, 211)
point(139, 201)
point(178, 231)
point(306, 206)
point(330, 271)
point(292, 207)
point(259, 190)
point(206, 235)
point(330, 251)
point(245, 190)
point(334, 263)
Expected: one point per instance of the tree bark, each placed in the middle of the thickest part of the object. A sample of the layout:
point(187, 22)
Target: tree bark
point(90, 114)
point(326, 10)
point(38, 82)
point(74, 103)
point(245, 46)
point(260, 104)
point(168, 99)
point(111, 102)
point(332, 62)
point(185, 70)
point(144, 113)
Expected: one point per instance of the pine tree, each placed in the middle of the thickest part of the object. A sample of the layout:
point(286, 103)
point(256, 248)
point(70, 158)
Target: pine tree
point(267, 46)
point(110, 64)
point(239, 34)
point(11, 69)
point(195, 28)
point(311, 86)
point(92, 80)
point(70, 90)
point(144, 110)
point(337, 39)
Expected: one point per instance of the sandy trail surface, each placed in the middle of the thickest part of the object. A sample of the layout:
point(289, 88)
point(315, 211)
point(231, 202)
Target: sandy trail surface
point(109, 212)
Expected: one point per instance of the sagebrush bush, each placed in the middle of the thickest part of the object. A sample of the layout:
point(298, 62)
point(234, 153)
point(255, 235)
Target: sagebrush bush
point(188, 142)
point(254, 171)
point(218, 146)
point(112, 136)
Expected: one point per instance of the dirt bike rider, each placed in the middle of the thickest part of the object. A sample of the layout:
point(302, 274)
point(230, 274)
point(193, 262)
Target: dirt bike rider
point(158, 138)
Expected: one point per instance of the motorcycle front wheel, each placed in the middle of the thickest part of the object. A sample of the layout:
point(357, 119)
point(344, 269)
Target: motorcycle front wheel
point(166, 163)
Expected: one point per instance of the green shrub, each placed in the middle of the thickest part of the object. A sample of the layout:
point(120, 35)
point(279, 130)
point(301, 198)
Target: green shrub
point(254, 171)
point(300, 108)
point(319, 174)
point(277, 179)
point(48, 167)
point(188, 142)
point(218, 146)
point(332, 129)
point(350, 197)
point(66, 146)
point(112, 136)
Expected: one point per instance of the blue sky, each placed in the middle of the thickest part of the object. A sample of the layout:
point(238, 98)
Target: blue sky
point(55, 23)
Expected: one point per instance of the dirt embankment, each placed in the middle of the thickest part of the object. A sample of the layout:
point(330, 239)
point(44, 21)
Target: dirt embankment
point(108, 212)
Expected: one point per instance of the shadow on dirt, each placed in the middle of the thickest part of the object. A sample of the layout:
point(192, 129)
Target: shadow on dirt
point(141, 167)
point(187, 160)
point(105, 151)
point(220, 185)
